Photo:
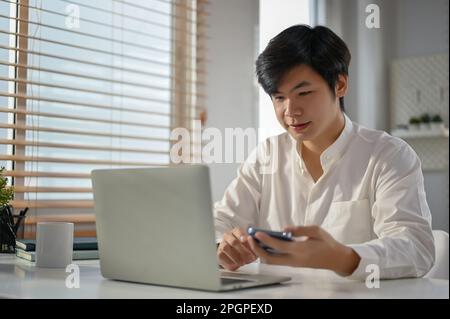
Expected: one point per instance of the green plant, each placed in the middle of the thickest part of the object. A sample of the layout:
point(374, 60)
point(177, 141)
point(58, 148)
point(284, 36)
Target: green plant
point(414, 120)
point(425, 118)
point(6, 193)
point(437, 119)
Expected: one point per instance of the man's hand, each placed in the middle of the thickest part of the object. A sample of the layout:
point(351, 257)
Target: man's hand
point(316, 249)
point(234, 250)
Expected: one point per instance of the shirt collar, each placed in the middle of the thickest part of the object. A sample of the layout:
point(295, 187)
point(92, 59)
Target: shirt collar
point(335, 150)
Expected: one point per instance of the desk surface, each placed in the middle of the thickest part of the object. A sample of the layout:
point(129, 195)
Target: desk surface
point(21, 279)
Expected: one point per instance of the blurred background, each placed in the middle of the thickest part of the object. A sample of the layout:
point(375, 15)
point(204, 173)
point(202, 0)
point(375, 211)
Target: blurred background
point(398, 71)
point(88, 84)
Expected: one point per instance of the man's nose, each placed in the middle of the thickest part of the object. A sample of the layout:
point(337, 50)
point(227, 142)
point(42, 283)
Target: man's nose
point(291, 109)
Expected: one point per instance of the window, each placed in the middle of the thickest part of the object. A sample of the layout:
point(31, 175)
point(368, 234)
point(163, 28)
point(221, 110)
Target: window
point(92, 84)
point(274, 18)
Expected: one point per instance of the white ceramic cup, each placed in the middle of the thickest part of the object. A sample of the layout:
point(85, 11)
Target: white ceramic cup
point(54, 244)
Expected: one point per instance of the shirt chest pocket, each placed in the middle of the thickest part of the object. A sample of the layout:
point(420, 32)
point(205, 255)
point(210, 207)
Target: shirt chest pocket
point(349, 222)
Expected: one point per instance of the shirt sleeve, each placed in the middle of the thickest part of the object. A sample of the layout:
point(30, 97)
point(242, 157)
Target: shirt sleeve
point(402, 221)
point(240, 204)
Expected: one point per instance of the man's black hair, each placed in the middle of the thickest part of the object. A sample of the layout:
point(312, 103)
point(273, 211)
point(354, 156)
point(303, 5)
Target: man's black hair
point(318, 47)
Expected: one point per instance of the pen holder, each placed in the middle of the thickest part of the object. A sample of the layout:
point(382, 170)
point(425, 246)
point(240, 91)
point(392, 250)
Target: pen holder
point(7, 230)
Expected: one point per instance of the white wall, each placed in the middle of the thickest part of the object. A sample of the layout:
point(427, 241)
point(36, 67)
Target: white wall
point(408, 28)
point(367, 99)
point(231, 86)
point(422, 28)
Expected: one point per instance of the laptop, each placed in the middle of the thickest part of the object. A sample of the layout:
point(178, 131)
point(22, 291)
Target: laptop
point(155, 226)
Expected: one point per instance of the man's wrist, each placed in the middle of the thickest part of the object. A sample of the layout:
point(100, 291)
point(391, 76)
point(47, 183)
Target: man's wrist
point(348, 261)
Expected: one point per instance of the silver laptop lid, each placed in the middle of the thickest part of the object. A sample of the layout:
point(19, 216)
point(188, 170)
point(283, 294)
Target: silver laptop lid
point(155, 225)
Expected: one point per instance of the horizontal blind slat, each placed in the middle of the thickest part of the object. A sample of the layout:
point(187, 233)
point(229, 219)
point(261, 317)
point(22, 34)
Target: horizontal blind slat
point(81, 118)
point(31, 234)
point(45, 174)
point(75, 218)
point(18, 158)
point(91, 119)
point(52, 204)
point(79, 146)
point(40, 189)
point(79, 132)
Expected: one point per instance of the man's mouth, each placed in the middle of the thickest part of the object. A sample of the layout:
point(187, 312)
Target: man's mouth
point(300, 127)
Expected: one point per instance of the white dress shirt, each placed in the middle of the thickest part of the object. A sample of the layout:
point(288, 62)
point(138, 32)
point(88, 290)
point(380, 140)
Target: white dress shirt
point(370, 197)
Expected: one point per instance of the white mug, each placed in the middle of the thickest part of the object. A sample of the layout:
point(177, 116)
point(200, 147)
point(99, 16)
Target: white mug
point(54, 244)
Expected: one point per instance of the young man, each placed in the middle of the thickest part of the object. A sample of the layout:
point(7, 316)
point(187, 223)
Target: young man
point(354, 195)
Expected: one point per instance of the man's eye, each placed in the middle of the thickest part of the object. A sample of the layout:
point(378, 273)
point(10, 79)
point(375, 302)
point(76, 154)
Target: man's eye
point(304, 93)
point(279, 98)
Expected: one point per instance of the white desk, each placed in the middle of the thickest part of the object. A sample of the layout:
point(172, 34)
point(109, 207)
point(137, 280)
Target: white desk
point(21, 279)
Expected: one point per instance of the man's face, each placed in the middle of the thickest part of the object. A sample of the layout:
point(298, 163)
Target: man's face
point(304, 104)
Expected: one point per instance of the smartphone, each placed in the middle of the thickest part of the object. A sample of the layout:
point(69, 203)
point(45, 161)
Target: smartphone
point(286, 236)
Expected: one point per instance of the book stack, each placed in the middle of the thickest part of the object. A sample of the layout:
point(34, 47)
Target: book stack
point(83, 248)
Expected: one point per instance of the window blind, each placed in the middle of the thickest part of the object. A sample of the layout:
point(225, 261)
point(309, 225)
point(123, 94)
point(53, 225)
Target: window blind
point(93, 84)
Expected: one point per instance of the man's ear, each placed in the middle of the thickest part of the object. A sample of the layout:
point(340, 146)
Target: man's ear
point(341, 86)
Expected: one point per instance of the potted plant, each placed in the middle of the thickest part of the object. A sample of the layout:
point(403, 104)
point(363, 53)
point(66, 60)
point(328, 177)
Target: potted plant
point(414, 123)
point(7, 232)
point(437, 123)
point(425, 121)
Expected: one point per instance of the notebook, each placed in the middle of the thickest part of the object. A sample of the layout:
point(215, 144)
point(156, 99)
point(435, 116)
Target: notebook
point(77, 254)
point(79, 243)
